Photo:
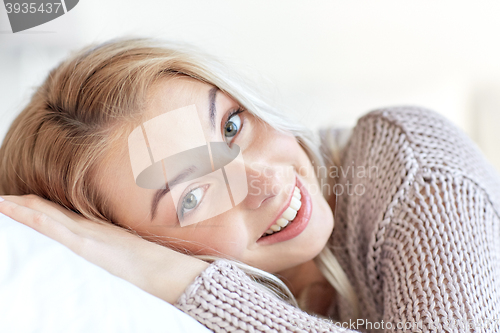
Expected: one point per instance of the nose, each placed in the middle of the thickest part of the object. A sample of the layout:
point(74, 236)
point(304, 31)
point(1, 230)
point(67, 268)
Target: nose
point(264, 182)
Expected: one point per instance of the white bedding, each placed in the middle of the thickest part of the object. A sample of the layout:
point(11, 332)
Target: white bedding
point(45, 287)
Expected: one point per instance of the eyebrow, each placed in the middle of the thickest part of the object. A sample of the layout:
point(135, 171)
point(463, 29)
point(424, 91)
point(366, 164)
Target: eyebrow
point(162, 192)
point(213, 111)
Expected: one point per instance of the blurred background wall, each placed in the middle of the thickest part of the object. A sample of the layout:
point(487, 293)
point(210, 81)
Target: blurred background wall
point(327, 61)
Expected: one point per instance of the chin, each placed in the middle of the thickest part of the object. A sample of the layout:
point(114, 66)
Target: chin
point(320, 228)
point(310, 243)
point(304, 247)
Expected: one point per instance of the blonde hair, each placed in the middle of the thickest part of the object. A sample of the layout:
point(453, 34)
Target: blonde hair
point(55, 146)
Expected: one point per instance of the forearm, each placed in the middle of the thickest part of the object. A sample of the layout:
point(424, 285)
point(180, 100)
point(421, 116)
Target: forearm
point(224, 299)
point(168, 273)
point(155, 269)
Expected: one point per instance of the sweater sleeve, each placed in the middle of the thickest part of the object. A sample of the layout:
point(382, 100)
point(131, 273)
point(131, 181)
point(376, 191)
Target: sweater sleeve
point(439, 259)
point(225, 299)
point(440, 250)
point(420, 238)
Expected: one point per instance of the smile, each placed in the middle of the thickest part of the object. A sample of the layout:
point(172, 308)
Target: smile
point(293, 220)
point(288, 215)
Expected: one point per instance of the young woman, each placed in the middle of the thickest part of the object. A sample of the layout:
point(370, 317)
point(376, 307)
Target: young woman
point(416, 204)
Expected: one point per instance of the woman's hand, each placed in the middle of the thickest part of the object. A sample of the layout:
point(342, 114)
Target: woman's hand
point(156, 269)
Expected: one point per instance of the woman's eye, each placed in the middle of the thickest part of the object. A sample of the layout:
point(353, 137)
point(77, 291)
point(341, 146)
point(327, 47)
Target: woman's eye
point(232, 127)
point(191, 200)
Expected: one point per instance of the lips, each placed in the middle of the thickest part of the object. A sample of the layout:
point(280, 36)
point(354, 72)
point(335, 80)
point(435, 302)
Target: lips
point(297, 225)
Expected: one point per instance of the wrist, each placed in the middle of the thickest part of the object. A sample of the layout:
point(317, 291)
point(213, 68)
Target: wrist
point(169, 273)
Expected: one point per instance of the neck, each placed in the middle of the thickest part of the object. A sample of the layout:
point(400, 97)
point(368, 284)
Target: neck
point(299, 277)
point(311, 289)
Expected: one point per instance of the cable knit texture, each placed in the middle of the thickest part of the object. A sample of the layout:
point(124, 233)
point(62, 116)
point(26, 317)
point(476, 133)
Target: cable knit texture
point(416, 230)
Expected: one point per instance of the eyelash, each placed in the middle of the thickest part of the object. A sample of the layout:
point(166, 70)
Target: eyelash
point(231, 115)
point(181, 212)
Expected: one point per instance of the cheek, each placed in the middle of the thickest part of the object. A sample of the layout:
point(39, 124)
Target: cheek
point(214, 237)
point(283, 141)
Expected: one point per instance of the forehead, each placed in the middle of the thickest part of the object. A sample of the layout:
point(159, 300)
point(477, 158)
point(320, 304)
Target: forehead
point(168, 94)
point(165, 95)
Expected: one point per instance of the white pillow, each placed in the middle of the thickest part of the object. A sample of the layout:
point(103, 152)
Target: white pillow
point(45, 287)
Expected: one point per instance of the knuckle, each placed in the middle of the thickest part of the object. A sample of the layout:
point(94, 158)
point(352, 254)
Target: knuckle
point(31, 200)
point(40, 218)
point(83, 244)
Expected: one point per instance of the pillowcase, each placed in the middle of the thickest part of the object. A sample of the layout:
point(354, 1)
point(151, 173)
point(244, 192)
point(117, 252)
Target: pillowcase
point(45, 287)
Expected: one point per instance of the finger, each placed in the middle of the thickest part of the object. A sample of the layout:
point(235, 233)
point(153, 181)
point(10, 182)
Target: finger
point(70, 219)
point(38, 221)
point(39, 204)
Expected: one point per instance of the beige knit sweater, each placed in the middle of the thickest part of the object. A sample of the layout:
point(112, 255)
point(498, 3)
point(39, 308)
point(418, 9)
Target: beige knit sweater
point(419, 238)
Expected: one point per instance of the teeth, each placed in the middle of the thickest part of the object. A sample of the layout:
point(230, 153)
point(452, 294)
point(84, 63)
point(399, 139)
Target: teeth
point(295, 203)
point(282, 222)
point(275, 227)
point(288, 215)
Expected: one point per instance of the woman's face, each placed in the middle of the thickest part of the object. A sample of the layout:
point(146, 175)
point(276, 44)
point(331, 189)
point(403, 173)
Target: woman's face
point(274, 163)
